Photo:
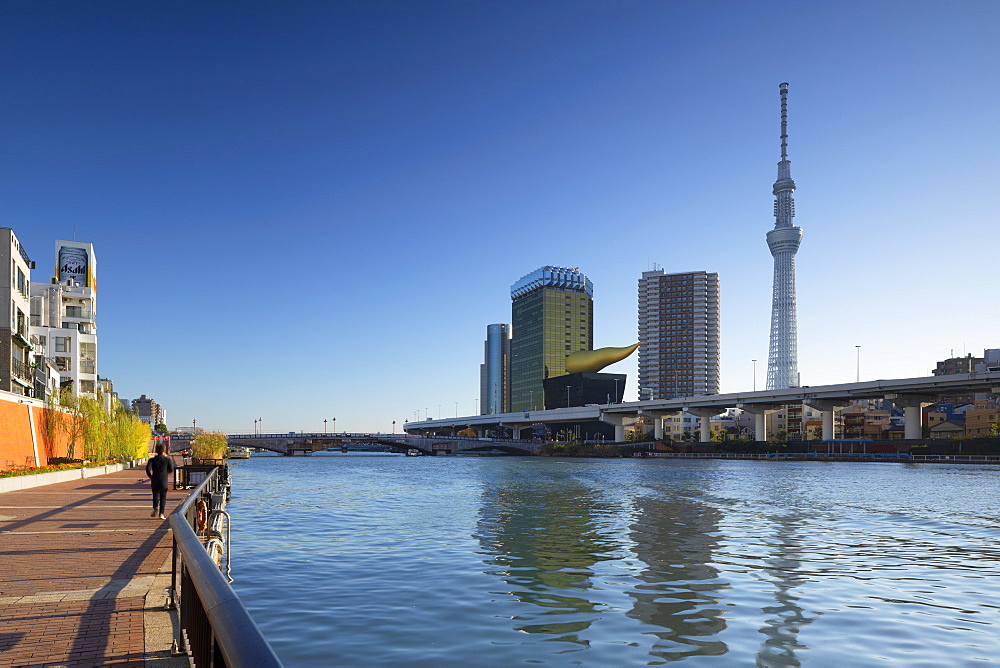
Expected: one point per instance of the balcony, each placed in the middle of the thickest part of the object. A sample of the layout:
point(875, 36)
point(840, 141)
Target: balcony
point(22, 336)
point(21, 371)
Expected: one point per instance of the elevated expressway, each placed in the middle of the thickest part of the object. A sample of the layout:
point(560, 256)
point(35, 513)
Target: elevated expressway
point(910, 394)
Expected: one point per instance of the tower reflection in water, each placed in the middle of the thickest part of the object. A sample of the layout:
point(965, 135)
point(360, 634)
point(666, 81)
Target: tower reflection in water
point(678, 593)
point(785, 619)
point(544, 543)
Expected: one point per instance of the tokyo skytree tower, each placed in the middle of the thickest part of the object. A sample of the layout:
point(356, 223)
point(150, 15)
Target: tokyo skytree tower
point(783, 240)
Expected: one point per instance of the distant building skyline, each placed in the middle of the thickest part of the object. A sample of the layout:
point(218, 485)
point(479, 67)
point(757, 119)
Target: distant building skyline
point(552, 316)
point(149, 411)
point(679, 352)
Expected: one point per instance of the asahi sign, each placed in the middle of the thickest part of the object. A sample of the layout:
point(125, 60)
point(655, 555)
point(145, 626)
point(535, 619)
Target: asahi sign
point(75, 263)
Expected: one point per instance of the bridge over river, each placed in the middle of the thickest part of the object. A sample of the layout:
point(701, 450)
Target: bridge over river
point(303, 444)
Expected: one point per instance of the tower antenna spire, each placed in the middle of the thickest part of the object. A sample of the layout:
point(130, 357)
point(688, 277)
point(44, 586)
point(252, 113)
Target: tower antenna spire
point(784, 120)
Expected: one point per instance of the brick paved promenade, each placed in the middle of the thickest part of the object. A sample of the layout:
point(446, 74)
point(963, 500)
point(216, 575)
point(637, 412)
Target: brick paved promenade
point(76, 562)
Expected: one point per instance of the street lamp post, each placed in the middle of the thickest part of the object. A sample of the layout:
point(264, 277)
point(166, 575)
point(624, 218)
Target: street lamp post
point(456, 409)
point(859, 364)
point(255, 426)
point(324, 426)
point(567, 395)
point(754, 375)
point(334, 425)
point(477, 406)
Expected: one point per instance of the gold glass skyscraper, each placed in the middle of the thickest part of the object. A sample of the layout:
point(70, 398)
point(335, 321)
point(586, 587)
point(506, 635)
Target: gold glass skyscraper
point(552, 316)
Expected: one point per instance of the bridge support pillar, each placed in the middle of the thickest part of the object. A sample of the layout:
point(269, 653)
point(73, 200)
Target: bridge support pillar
point(515, 430)
point(828, 434)
point(759, 412)
point(913, 413)
point(618, 420)
point(913, 423)
point(826, 409)
point(657, 418)
point(705, 415)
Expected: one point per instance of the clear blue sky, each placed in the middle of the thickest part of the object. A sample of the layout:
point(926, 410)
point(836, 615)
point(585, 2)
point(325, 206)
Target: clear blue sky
point(311, 210)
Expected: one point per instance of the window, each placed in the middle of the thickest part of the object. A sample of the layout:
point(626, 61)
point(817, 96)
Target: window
point(62, 344)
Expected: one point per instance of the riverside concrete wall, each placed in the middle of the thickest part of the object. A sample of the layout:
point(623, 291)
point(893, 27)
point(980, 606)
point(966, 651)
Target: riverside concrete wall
point(24, 438)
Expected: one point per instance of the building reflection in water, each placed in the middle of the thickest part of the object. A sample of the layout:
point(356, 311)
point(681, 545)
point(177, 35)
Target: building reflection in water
point(543, 542)
point(678, 593)
point(582, 555)
point(785, 619)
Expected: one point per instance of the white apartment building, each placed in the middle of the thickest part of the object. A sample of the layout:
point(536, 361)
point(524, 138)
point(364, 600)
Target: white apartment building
point(678, 334)
point(17, 375)
point(63, 317)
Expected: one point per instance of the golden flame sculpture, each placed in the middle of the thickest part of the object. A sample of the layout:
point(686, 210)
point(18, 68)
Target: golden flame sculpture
point(595, 360)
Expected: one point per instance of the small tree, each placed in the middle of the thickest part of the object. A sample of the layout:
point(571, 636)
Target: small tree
point(127, 435)
point(95, 444)
point(209, 445)
point(160, 427)
point(67, 418)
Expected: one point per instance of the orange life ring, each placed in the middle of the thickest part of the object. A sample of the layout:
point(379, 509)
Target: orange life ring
point(202, 515)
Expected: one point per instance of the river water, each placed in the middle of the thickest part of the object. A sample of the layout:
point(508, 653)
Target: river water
point(360, 560)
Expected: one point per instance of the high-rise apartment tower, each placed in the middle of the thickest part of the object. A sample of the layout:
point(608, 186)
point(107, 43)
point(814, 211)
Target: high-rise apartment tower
point(552, 315)
point(783, 240)
point(149, 411)
point(494, 378)
point(678, 334)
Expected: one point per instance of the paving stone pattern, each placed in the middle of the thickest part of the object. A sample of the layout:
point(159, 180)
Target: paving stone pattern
point(76, 561)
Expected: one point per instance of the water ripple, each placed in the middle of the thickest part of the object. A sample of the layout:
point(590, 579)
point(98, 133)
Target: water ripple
point(356, 560)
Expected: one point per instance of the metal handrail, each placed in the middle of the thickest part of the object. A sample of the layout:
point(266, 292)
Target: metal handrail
point(214, 624)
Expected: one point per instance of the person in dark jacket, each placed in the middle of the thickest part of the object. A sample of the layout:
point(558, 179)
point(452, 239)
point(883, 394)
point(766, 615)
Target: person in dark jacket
point(158, 470)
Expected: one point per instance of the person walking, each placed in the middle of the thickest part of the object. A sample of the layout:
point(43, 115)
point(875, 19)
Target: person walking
point(158, 470)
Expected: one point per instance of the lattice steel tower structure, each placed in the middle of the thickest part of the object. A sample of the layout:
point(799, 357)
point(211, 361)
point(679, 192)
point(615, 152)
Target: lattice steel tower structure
point(783, 240)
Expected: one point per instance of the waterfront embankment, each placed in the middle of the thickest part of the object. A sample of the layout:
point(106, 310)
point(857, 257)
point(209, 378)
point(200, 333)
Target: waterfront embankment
point(86, 573)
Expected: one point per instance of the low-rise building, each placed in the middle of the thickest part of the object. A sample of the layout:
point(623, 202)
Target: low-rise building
point(946, 430)
point(979, 420)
